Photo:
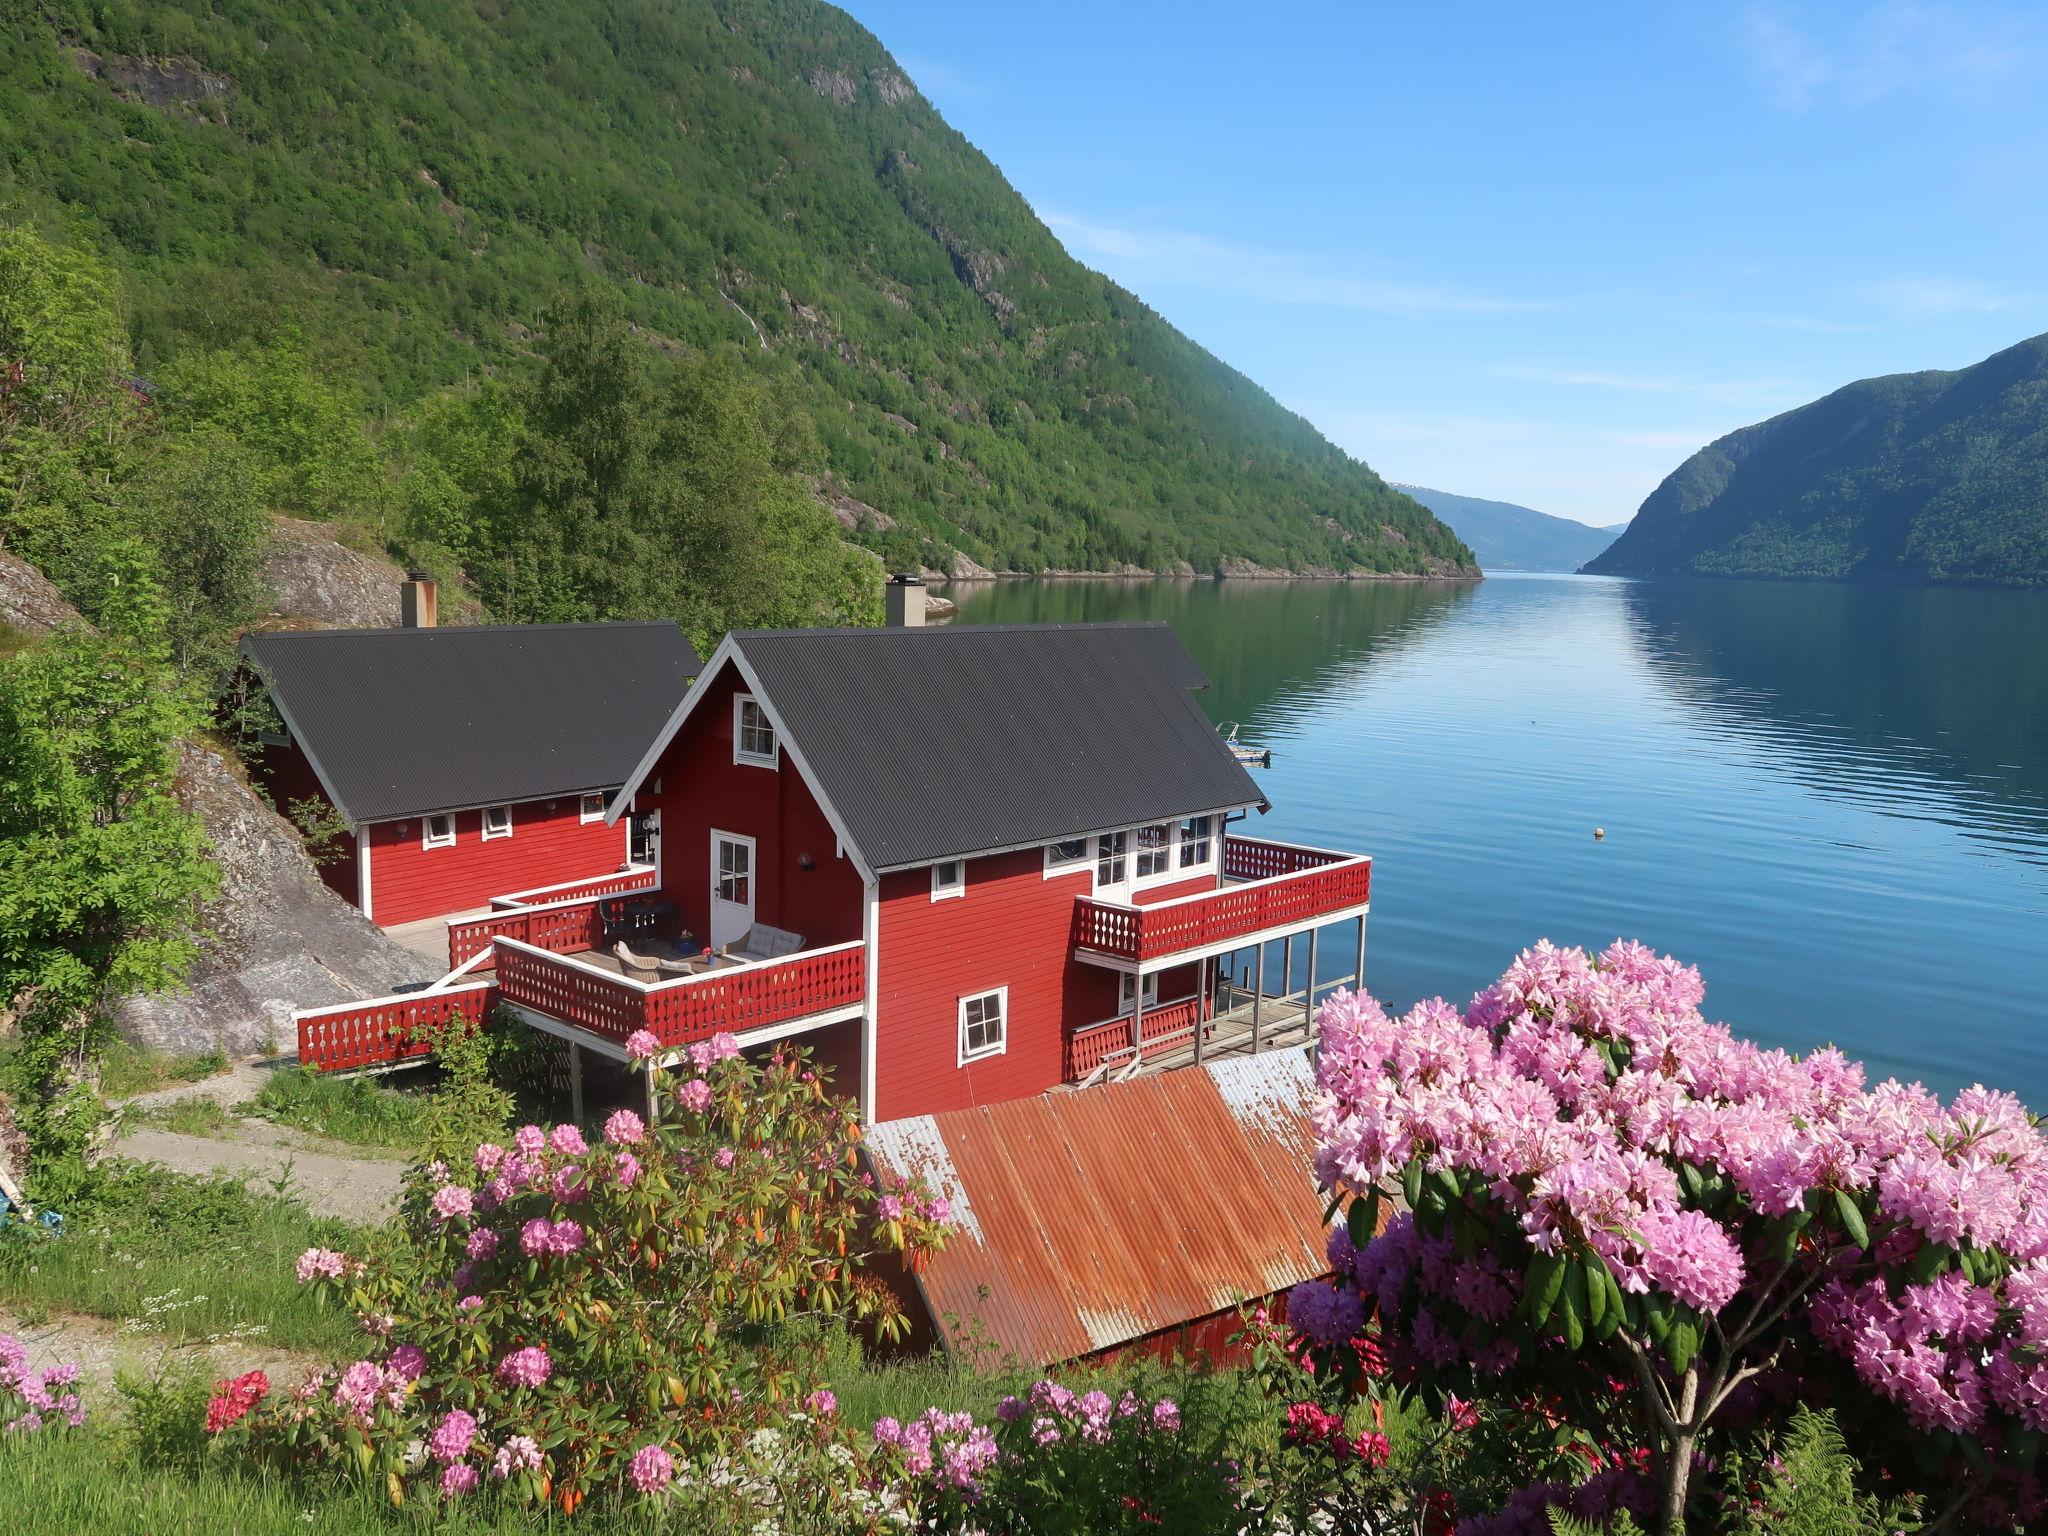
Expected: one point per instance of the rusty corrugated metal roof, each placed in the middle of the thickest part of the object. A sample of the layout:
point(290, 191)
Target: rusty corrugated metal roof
point(1097, 1217)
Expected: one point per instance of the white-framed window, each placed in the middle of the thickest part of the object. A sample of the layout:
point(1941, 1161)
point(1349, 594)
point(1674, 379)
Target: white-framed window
point(1064, 858)
point(497, 821)
point(1110, 860)
point(753, 738)
point(1155, 850)
point(949, 878)
point(591, 808)
point(982, 1020)
point(1125, 991)
point(437, 830)
point(1196, 841)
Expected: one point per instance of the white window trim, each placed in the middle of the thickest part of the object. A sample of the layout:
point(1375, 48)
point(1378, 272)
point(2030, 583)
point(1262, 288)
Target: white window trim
point(1175, 871)
point(1214, 840)
point(1123, 989)
point(427, 838)
point(1095, 857)
point(1166, 851)
point(957, 889)
point(505, 831)
point(584, 815)
point(754, 759)
point(1085, 864)
point(1002, 996)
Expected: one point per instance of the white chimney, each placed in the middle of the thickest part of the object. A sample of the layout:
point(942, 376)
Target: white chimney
point(416, 601)
point(906, 601)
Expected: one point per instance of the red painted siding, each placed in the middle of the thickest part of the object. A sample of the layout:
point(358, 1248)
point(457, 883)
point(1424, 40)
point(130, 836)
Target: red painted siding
point(702, 788)
point(1012, 929)
point(287, 774)
point(549, 842)
point(1192, 886)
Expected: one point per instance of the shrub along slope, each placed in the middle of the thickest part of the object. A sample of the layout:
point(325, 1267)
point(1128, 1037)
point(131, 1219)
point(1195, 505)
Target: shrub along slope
point(410, 182)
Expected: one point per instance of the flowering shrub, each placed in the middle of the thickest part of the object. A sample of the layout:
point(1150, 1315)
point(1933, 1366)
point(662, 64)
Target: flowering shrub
point(1621, 1214)
point(1059, 1461)
point(562, 1320)
point(32, 1400)
point(233, 1401)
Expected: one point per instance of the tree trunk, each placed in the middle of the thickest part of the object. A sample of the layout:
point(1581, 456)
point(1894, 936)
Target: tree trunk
point(1677, 1475)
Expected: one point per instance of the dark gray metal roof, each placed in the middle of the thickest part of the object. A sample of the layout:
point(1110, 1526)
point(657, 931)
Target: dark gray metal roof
point(399, 722)
point(935, 743)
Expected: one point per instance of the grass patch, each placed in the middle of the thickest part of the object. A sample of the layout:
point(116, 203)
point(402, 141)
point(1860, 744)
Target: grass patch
point(175, 1257)
point(346, 1109)
point(127, 1069)
point(195, 1116)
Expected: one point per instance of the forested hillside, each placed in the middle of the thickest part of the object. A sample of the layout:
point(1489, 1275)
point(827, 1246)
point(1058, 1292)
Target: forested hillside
point(405, 188)
point(1911, 477)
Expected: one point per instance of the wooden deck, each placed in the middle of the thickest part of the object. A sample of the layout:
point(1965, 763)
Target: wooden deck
point(427, 937)
point(1279, 1021)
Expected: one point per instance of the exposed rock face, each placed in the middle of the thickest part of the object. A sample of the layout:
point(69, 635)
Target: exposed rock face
point(159, 82)
point(29, 601)
point(277, 937)
point(317, 580)
point(835, 85)
point(891, 87)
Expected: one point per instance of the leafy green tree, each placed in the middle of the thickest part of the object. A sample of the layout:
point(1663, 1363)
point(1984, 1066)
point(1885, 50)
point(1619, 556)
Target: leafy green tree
point(101, 870)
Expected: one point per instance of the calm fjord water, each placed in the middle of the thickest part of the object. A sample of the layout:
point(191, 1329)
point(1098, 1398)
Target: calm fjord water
point(1834, 800)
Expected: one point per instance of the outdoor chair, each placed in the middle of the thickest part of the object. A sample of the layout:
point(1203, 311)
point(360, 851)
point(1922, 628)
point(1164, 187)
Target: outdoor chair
point(637, 967)
point(762, 942)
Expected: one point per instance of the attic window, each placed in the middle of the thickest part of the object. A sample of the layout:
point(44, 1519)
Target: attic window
point(592, 809)
point(497, 821)
point(437, 830)
point(753, 738)
point(949, 878)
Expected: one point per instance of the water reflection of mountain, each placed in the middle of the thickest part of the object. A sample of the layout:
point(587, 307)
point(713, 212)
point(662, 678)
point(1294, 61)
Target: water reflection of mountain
point(1949, 686)
point(1266, 645)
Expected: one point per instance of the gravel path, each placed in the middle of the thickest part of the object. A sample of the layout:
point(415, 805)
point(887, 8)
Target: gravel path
point(332, 1179)
point(104, 1351)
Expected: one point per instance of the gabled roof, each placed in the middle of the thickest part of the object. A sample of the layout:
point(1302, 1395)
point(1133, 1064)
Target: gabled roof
point(935, 743)
point(1060, 1217)
point(400, 722)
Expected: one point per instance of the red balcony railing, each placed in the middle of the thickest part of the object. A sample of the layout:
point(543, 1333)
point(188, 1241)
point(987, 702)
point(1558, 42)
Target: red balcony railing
point(381, 1031)
point(1278, 885)
point(561, 927)
point(734, 999)
point(1169, 1024)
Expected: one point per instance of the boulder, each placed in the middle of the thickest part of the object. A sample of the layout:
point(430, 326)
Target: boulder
point(317, 581)
point(276, 937)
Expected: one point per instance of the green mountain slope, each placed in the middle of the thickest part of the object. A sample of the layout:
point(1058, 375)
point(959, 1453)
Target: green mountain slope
point(410, 182)
point(1939, 477)
point(1507, 537)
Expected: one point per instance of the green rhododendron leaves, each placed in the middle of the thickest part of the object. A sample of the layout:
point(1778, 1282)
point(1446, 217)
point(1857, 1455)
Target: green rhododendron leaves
point(1411, 1182)
point(1594, 1283)
point(1852, 1218)
point(1930, 1261)
point(1363, 1219)
point(1682, 1343)
point(1541, 1286)
point(1578, 1306)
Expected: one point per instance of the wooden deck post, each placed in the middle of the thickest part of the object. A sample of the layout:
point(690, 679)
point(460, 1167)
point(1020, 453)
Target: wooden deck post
point(1308, 992)
point(1358, 975)
point(1258, 993)
point(1137, 1017)
point(1286, 966)
point(1202, 999)
point(653, 1096)
point(575, 1083)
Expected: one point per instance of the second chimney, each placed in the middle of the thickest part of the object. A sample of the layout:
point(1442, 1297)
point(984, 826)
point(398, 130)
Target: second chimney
point(416, 601)
point(906, 601)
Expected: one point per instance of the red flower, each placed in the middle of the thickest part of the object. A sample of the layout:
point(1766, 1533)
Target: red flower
point(232, 1400)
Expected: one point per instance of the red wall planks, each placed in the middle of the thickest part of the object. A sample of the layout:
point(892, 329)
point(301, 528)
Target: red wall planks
point(702, 788)
point(550, 842)
point(288, 776)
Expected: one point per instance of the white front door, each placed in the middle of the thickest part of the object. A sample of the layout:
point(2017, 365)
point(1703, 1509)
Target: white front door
point(732, 887)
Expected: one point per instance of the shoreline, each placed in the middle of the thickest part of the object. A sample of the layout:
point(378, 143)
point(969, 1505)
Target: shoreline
point(984, 578)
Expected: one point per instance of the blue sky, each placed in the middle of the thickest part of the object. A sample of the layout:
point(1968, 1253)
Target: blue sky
point(1539, 253)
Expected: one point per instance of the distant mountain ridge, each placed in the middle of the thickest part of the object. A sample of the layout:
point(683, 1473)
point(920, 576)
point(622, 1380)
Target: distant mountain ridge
point(1925, 477)
point(1507, 537)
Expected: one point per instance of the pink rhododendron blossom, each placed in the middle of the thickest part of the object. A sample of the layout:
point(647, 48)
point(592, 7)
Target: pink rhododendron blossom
point(625, 1169)
point(452, 1436)
point(568, 1141)
point(469, 1303)
point(889, 1208)
point(409, 1361)
point(695, 1095)
point(565, 1237)
point(488, 1155)
point(458, 1480)
point(651, 1470)
point(723, 1157)
point(625, 1129)
point(642, 1044)
point(706, 1054)
point(483, 1243)
point(822, 1402)
point(321, 1262)
point(531, 1140)
point(451, 1201)
point(528, 1367)
point(520, 1453)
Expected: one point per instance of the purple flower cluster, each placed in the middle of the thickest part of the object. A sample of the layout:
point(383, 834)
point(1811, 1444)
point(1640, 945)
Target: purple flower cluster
point(31, 1400)
point(949, 1450)
point(1586, 1106)
point(1055, 1413)
point(527, 1367)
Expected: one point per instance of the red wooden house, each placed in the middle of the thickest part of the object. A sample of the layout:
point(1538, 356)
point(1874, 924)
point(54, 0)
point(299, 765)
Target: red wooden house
point(476, 765)
point(965, 864)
